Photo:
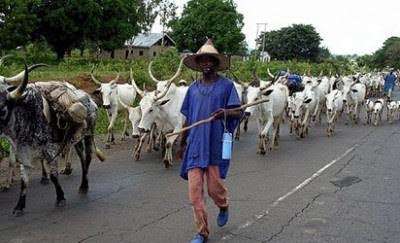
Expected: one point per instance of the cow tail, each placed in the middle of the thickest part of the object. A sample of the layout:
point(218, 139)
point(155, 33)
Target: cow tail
point(99, 154)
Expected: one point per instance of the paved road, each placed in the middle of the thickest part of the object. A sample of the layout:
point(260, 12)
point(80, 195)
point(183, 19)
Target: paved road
point(320, 189)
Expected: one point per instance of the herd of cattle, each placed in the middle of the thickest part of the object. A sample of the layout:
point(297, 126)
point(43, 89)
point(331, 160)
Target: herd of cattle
point(31, 124)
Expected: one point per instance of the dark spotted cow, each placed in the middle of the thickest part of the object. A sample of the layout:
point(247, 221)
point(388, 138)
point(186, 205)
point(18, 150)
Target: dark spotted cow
point(25, 122)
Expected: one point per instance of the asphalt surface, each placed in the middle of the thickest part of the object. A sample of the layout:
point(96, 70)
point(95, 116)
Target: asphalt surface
point(339, 189)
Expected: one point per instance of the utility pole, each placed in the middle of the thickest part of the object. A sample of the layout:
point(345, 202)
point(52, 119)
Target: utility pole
point(261, 27)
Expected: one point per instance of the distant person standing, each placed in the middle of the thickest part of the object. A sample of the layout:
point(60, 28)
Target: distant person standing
point(390, 82)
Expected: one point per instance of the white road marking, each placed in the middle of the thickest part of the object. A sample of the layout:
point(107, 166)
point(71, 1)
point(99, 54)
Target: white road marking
point(261, 215)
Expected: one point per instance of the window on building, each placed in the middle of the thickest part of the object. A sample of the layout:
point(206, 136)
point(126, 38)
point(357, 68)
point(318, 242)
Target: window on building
point(154, 54)
point(126, 54)
point(131, 51)
point(140, 53)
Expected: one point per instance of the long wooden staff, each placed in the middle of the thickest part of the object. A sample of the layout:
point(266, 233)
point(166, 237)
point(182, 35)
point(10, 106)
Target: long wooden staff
point(211, 118)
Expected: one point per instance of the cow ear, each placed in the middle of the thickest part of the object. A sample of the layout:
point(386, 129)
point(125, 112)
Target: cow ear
point(163, 102)
point(354, 90)
point(308, 100)
point(268, 92)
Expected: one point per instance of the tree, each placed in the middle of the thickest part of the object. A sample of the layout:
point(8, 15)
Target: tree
point(324, 54)
point(68, 24)
point(167, 13)
point(120, 20)
point(12, 14)
point(298, 41)
point(65, 23)
point(389, 54)
point(216, 19)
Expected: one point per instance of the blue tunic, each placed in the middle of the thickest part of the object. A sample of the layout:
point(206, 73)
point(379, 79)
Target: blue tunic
point(390, 81)
point(204, 142)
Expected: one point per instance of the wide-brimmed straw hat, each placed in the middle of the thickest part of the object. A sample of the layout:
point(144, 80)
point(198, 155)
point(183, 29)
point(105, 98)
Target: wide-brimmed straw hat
point(207, 49)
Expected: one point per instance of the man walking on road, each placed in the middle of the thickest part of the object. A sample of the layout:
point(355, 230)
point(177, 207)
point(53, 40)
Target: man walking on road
point(390, 82)
point(202, 145)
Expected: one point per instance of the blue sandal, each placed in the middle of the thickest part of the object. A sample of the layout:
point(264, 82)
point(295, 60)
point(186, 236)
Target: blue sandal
point(198, 238)
point(223, 217)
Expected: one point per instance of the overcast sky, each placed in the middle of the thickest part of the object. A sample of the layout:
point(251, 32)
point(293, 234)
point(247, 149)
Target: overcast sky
point(346, 26)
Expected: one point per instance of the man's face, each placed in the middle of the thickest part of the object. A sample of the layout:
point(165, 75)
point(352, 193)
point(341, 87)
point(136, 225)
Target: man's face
point(207, 64)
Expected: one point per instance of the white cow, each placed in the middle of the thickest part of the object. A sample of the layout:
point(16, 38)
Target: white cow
point(112, 95)
point(321, 87)
point(353, 97)
point(334, 108)
point(392, 109)
point(369, 108)
point(163, 109)
point(305, 104)
point(269, 114)
point(377, 112)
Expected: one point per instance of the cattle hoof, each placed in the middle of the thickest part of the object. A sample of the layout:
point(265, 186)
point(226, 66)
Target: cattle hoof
point(83, 189)
point(262, 152)
point(18, 212)
point(136, 157)
point(61, 203)
point(167, 164)
point(66, 171)
point(44, 181)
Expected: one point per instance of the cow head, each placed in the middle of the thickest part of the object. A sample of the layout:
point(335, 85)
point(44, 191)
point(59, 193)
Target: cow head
point(151, 105)
point(252, 94)
point(301, 101)
point(332, 100)
point(108, 90)
point(9, 95)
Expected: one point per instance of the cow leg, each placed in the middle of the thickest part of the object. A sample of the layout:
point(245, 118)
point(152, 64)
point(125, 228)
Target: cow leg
point(137, 150)
point(45, 177)
point(246, 123)
point(68, 166)
point(150, 143)
point(19, 208)
point(237, 135)
point(60, 202)
point(84, 187)
point(168, 151)
point(126, 122)
point(110, 129)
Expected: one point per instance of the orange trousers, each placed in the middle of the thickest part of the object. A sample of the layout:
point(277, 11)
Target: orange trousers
point(216, 190)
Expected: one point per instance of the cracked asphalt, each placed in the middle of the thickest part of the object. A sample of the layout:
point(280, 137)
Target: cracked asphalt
point(356, 199)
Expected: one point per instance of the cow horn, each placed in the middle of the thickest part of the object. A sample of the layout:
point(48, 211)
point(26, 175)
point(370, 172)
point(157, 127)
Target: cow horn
point(171, 79)
point(330, 72)
point(20, 76)
point(321, 73)
point(270, 74)
point(17, 93)
point(133, 83)
point(3, 58)
point(287, 70)
point(151, 74)
point(114, 81)
point(166, 88)
point(93, 78)
point(238, 80)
